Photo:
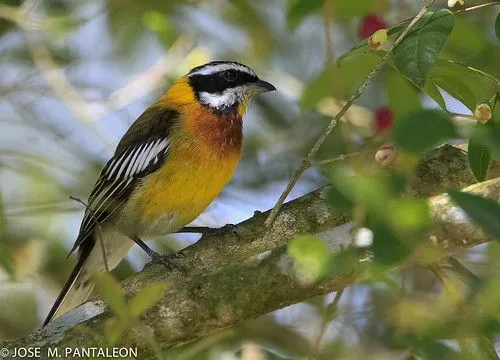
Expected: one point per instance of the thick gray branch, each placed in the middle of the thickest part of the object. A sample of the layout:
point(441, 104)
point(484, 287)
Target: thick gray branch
point(244, 272)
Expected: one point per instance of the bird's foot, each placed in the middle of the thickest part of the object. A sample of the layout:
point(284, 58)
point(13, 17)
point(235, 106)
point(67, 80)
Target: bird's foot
point(171, 261)
point(209, 231)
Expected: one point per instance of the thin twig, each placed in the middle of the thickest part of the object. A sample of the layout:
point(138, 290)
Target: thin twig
point(99, 231)
point(306, 163)
point(476, 7)
point(330, 66)
point(340, 158)
point(456, 12)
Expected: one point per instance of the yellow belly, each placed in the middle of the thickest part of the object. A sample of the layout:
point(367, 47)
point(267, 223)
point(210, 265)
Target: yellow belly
point(191, 178)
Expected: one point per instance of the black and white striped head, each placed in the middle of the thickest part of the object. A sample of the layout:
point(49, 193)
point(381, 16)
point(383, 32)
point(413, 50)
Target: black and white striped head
point(225, 85)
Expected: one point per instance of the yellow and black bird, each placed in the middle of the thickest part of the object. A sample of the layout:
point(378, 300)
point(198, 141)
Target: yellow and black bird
point(167, 168)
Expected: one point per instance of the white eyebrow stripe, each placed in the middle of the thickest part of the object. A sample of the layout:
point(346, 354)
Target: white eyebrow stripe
point(212, 69)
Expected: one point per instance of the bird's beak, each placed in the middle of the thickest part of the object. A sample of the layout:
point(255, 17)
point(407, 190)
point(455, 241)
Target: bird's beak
point(262, 86)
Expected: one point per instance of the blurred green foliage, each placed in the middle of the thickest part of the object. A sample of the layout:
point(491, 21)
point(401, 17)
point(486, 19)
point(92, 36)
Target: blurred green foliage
point(127, 311)
point(485, 212)
point(422, 130)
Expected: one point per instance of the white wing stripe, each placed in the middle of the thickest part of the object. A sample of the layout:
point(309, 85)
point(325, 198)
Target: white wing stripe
point(113, 169)
point(134, 169)
point(116, 180)
point(145, 153)
point(110, 166)
point(133, 162)
point(159, 148)
point(148, 156)
point(125, 162)
point(116, 167)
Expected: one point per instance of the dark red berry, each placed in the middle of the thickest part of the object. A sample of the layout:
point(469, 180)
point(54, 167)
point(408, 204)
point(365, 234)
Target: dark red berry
point(383, 119)
point(369, 24)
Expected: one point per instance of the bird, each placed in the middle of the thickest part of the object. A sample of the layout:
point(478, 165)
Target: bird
point(171, 163)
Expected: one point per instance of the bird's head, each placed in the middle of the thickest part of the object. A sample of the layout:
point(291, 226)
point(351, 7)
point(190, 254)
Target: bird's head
point(224, 86)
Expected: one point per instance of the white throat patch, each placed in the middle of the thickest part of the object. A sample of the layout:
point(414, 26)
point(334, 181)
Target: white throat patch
point(225, 100)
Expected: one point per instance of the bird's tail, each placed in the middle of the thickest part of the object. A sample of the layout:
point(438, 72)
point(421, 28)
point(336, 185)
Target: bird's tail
point(76, 289)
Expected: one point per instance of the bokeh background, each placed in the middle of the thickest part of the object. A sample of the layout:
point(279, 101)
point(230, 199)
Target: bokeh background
point(75, 74)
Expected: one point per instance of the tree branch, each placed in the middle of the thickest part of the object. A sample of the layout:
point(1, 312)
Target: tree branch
point(237, 276)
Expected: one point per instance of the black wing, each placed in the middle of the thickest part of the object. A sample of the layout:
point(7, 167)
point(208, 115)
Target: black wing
point(142, 150)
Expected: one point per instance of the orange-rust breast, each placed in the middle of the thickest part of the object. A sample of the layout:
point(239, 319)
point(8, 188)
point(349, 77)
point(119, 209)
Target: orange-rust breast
point(219, 132)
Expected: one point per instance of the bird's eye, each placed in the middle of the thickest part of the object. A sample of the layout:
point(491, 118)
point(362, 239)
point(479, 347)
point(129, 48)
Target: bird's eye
point(230, 75)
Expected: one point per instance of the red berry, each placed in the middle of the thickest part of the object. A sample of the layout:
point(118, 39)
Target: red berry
point(383, 119)
point(369, 24)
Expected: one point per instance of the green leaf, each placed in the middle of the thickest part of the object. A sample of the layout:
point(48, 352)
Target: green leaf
point(409, 215)
point(403, 95)
point(489, 135)
point(154, 20)
point(300, 9)
point(359, 190)
point(160, 24)
point(422, 130)
point(311, 255)
point(456, 88)
point(433, 92)
point(111, 293)
point(146, 298)
point(355, 69)
point(361, 48)
point(113, 330)
point(418, 51)
point(466, 38)
point(497, 26)
point(349, 75)
point(484, 212)
point(19, 308)
point(465, 83)
point(337, 200)
point(387, 247)
point(437, 351)
point(318, 88)
point(479, 157)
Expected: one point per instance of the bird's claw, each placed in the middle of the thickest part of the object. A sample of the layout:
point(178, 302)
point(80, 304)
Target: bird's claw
point(170, 261)
point(223, 230)
point(209, 231)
